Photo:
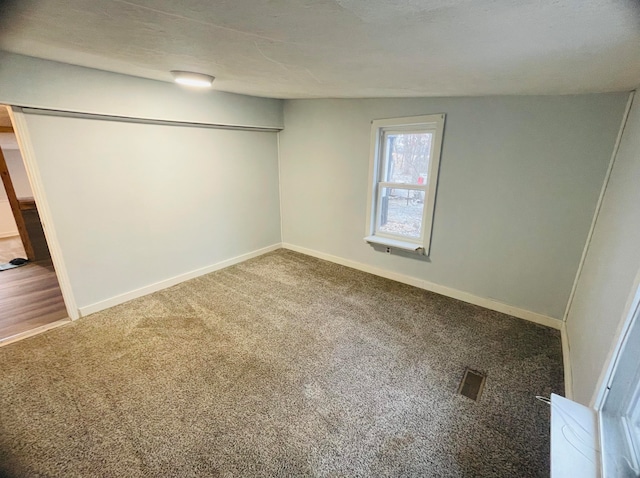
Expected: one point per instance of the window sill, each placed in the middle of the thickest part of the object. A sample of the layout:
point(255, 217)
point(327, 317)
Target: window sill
point(395, 244)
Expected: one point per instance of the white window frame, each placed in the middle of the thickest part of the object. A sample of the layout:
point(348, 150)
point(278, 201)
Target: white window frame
point(584, 442)
point(620, 401)
point(412, 124)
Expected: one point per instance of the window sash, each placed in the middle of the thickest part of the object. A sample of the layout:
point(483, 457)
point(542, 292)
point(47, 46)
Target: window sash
point(378, 232)
point(378, 211)
point(383, 158)
point(411, 186)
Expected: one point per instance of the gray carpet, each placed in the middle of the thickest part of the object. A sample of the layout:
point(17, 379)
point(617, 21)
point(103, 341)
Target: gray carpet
point(284, 365)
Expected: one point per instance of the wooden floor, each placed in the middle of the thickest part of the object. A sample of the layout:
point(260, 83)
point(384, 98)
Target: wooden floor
point(30, 297)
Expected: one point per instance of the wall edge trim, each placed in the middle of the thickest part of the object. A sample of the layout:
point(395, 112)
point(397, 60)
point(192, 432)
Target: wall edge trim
point(596, 212)
point(566, 362)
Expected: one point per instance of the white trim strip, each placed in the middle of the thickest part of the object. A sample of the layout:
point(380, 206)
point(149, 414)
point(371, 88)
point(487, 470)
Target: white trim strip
point(607, 176)
point(133, 119)
point(432, 287)
point(280, 186)
point(142, 291)
point(412, 122)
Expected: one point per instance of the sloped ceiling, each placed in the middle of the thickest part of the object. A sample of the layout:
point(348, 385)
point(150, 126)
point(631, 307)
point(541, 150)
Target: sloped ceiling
point(344, 48)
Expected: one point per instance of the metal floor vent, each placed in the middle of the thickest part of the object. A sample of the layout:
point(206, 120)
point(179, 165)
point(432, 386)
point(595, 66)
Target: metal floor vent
point(472, 384)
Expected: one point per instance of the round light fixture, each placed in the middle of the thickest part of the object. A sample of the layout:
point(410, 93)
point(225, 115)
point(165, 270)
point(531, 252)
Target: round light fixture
point(189, 78)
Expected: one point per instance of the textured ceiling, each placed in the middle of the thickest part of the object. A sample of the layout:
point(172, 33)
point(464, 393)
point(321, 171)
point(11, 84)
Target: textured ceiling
point(344, 48)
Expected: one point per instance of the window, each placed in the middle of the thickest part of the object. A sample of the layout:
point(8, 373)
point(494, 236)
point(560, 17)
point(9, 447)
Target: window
point(620, 412)
point(405, 157)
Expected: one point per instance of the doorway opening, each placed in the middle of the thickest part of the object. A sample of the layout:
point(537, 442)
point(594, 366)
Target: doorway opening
point(30, 297)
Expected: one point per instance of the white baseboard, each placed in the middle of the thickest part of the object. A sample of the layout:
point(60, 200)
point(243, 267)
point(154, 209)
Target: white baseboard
point(7, 234)
point(566, 361)
point(430, 286)
point(405, 279)
point(134, 294)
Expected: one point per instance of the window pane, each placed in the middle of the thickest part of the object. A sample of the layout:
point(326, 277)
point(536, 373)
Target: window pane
point(401, 212)
point(407, 157)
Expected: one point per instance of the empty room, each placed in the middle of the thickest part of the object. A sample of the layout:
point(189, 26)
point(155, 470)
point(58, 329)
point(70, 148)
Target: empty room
point(328, 238)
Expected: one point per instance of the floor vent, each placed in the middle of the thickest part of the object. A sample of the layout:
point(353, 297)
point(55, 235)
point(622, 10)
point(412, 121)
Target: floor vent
point(472, 384)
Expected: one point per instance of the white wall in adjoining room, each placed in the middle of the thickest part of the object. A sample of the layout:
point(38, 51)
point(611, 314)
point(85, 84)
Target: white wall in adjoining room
point(611, 266)
point(136, 204)
point(8, 227)
point(18, 173)
point(19, 180)
point(519, 181)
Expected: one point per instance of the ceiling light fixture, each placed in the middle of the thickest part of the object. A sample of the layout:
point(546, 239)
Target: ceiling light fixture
point(189, 78)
